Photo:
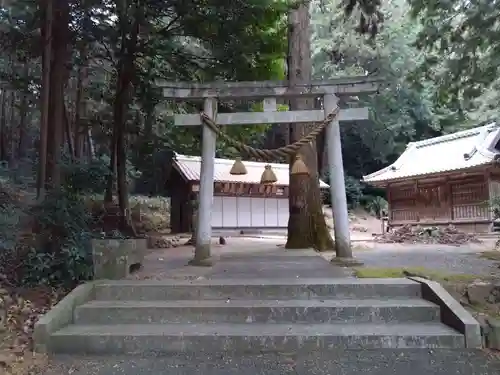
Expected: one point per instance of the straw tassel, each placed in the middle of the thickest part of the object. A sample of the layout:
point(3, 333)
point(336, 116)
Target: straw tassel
point(238, 167)
point(268, 176)
point(299, 167)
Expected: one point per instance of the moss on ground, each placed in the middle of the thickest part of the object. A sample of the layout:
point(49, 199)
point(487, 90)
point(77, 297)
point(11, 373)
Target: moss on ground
point(491, 255)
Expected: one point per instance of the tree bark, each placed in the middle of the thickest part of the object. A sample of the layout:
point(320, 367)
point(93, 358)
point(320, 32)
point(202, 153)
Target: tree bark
point(45, 96)
point(58, 79)
point(23, 115)
point(80, 105)
point(68, 131)
point(13, 129)
point(3, 124)
point(55, 32)
point(108, 195)
point(126, 73)
point(306, 226)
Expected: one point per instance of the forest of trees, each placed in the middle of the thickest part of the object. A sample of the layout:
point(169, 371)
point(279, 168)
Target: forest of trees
point(80, 113)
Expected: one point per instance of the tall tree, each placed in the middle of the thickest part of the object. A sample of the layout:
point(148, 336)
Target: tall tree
point(306, 226)
point(460, 40)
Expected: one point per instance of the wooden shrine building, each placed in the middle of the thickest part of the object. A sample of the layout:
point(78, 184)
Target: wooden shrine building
point(445, 180)
point(240, 201)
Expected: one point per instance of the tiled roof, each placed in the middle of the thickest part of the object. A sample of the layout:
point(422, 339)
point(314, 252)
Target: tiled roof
point(457, 151)
point(190, 166)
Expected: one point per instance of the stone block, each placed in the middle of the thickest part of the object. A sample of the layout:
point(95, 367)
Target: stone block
point(255, 338)
point(60, 315)
point(453, 313)
point(254, 311)
point(255, 289)
point(480, 293)
point(113, 258)
point(493, 334)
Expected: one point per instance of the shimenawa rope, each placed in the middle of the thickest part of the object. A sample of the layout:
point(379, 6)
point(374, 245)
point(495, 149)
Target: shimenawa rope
point(267, 154)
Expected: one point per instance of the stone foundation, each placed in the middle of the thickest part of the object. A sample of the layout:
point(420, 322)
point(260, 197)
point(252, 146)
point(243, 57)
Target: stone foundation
point(114, 258)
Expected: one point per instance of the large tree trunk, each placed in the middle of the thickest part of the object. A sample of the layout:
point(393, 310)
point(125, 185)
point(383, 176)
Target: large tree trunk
point(13, 130)
point(120, 112)
point(123, 97)
point(58, 79)
point(3, 124)
point(23, 116)
point(56, 38)
point(68, 132)
point(45, 95)
point(108, 195)
point(80, 135)
point(306, 226)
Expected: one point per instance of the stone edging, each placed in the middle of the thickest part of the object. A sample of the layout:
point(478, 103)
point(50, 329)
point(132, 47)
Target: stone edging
point(453, 313)
point(61, 315)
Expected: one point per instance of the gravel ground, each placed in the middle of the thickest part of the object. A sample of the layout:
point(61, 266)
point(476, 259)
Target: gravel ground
point(464, 259)
point(376, 362)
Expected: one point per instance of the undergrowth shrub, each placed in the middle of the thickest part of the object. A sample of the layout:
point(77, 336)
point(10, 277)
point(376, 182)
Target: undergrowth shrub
point(61, 254)
point(91, 177)
point(45, 243)
point(353, 190)
point(377, 206)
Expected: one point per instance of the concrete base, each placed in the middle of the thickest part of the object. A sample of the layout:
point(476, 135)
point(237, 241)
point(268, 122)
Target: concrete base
point(207, 262)
point(493, 334)
point(346, 262)
point(114, 258)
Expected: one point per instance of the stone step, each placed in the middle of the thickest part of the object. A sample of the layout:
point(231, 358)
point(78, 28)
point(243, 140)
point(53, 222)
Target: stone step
point(293, 288)
point(257, 311)
point(160, 339)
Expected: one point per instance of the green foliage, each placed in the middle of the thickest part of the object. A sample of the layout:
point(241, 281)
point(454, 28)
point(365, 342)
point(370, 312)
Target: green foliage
point(377, 206)
point(407, 109)
point(9, 220)
point(63, 251)
point(460, 41)
point(400, 113)
point(91, 177)
point(353, 190)
point(68, 267)
point(494, 204)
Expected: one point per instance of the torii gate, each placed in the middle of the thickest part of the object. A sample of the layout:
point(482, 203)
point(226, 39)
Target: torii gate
point(269, 92)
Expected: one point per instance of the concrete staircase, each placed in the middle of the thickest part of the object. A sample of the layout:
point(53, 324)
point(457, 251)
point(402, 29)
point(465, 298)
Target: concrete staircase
point(139, 317)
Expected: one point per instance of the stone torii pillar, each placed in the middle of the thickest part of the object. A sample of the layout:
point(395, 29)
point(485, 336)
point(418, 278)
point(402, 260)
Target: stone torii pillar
point(338, 195)
point(270, 92)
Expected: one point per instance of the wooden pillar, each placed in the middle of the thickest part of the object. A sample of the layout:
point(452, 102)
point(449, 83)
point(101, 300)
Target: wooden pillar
point(337, 182)
point(175, 211)
point(202, 252)
point(187, 209)
point(417, 201)
point(387, 222)
point(490, 193)
point(449, 200)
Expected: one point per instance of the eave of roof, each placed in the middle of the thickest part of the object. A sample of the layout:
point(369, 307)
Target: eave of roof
point(190, 167)
point(449, 153)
